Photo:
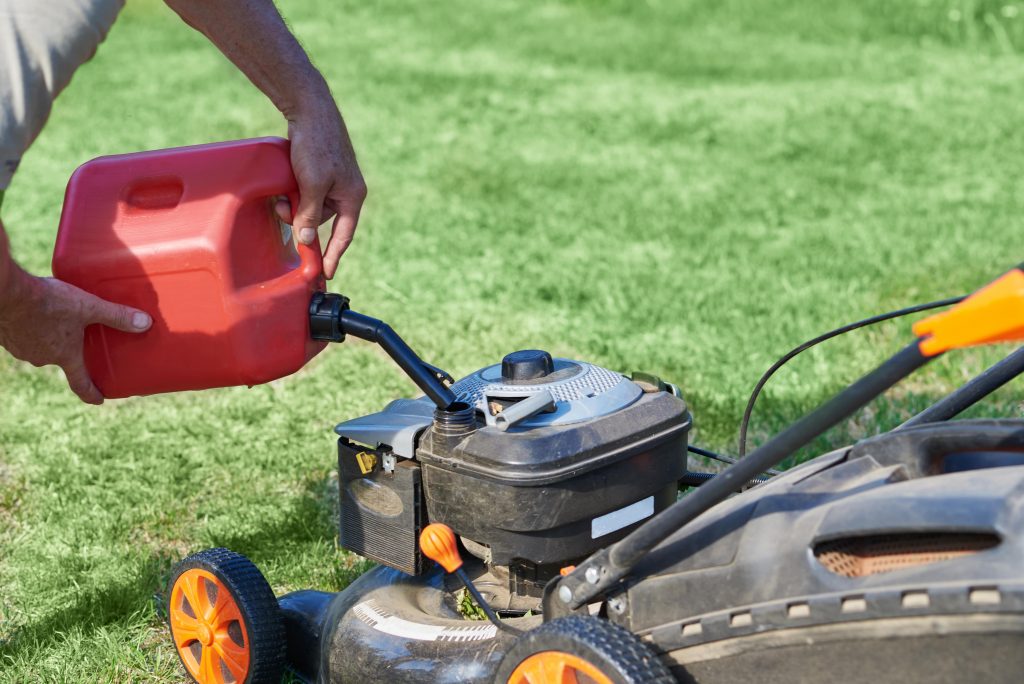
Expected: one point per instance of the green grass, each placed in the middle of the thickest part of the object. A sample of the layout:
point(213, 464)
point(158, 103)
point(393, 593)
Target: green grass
point(686, 188)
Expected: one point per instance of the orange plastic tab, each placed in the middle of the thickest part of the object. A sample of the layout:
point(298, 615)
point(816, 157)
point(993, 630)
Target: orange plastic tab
point(566, 570)
point(995, 313)
point(437, 541)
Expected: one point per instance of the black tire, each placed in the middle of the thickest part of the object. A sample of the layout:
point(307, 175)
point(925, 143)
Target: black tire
point(263, 638)
point(613, 650)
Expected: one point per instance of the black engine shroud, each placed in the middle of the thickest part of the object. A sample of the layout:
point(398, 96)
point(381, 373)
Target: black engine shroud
point(604, 455)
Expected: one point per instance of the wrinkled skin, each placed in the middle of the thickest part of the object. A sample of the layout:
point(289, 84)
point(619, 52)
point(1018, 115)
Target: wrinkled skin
point(330, 183)
point(43, 321)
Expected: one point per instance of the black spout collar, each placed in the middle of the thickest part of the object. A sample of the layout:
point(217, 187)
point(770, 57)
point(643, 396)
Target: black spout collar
point(325, 316)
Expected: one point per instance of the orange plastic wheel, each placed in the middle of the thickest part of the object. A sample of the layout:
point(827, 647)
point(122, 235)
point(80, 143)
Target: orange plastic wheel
point(208, 629)
point(581, 649)
point(225, 622)
point(556, 667)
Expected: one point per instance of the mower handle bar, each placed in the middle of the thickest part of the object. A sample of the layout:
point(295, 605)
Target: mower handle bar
point(993, 314)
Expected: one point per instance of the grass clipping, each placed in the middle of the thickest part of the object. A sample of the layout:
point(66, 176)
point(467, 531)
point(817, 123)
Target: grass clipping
point(469, 608)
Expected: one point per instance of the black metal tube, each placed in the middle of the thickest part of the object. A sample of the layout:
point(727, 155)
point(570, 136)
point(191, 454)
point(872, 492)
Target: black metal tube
point(374, 330)
point(975, 390)
point(626, 553)
point(608, 566)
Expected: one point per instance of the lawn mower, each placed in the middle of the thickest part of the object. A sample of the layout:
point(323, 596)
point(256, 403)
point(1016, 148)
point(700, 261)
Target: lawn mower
point(556, 499)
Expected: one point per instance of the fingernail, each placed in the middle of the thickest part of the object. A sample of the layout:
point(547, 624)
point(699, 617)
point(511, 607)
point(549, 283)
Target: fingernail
point(307, 235)
point(140, 320)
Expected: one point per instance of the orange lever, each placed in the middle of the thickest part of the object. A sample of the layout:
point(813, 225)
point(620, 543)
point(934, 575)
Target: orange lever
point(995, 313)
point(437, 541)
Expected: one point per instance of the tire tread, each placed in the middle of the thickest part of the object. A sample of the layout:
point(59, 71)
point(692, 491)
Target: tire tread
point(257, 603)
point(634, 662)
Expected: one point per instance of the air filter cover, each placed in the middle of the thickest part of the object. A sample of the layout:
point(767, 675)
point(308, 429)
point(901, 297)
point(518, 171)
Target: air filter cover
point(582, 391)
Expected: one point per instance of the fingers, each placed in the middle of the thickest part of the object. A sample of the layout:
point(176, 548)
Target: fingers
point(283, 209)
point(307, 216)
point(341, 236)
point(119, 317)
point(80, 382)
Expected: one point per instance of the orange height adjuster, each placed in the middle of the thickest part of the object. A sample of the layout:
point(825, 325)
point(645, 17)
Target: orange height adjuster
point(995, 313)
point(437, 541)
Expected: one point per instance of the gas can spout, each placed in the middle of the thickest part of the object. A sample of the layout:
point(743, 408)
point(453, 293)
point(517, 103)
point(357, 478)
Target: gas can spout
point(330, 318)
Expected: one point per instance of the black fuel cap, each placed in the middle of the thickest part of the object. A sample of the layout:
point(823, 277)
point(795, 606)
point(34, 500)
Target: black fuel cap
point(527, 364)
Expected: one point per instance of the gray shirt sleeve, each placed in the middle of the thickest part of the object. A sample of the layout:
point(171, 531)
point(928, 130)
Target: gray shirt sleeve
point(42, 43)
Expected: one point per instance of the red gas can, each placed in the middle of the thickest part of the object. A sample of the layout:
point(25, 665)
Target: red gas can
point(189, 235)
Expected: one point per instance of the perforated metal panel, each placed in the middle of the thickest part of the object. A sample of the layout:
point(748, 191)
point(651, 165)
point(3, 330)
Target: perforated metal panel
point(863, 556)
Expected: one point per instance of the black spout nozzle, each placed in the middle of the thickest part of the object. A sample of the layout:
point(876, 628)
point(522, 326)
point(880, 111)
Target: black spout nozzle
point(330, 318)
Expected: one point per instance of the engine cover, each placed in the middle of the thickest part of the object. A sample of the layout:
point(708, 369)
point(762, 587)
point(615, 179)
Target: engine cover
point(604, 454)
point(562, 483)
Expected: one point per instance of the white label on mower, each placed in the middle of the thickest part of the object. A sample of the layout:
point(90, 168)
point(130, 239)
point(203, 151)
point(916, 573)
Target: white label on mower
point(383, 621)
point(616, 520)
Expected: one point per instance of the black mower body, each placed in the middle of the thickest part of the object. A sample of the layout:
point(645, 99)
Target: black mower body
point(901, 557)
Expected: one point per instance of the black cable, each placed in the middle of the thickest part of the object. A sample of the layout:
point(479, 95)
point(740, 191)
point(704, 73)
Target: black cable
point(625, 554)
point(710, 454)
point(745, 423)
point(611, 564)
point(707, 453)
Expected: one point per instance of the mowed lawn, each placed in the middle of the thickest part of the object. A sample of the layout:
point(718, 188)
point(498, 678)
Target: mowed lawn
point(686, 188)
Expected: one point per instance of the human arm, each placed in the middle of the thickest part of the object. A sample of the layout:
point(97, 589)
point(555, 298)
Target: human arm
point(43, 321)
point(252, 34)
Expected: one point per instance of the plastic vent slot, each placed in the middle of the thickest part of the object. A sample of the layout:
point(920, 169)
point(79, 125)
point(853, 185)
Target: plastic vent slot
point(864, 556)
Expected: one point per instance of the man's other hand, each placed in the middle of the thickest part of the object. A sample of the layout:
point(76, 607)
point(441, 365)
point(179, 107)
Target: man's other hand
point(43, 321)
point(330, 183)
point(252, 34)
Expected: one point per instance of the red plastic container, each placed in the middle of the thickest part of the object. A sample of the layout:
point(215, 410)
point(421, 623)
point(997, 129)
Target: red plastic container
point(189, 235)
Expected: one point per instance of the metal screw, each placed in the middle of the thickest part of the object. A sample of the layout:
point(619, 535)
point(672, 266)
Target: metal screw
point(565, 594)
point(616, 605)
point(592, 575)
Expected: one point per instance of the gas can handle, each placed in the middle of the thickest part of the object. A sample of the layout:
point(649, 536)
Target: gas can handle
point(311, 258)
point(277, 178)
point(311, 265)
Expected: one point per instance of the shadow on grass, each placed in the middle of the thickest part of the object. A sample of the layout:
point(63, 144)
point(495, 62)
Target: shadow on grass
point(309, 519)
point(91, 609)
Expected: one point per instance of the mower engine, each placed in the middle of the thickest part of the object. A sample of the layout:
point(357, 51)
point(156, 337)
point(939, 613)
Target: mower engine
point(540, 462)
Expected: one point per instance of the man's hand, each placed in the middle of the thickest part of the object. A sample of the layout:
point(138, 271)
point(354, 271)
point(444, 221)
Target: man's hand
point(43, 320)
point(253, 36)
point(330, 183)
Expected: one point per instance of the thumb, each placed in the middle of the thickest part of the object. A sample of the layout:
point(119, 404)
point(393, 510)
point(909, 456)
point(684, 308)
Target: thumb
point(80, 382)
point(308, 215)
point(119, 317)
